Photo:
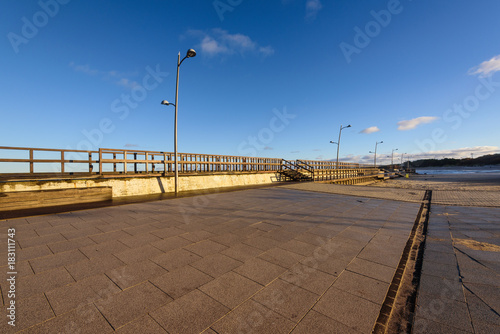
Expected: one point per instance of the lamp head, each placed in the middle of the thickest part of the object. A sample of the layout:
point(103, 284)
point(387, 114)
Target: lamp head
point(190, 53)
point(165, 102)
point(348, 126)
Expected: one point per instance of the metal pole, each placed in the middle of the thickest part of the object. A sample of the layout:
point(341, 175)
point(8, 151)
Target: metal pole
point(375, 157)
point(175, 126)
point(338, 148)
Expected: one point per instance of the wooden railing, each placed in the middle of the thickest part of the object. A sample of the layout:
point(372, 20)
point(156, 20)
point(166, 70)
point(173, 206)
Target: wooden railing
point(28, 162)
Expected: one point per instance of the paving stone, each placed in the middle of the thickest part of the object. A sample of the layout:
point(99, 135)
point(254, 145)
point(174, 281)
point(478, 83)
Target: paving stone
point(138, 254)
point(64, 246)
point(480, 311)
point(197, 236)
point(260, 271)
point(445, 311)
point(299, 247)
point(441, 287)
point(175, 259)
point(145, 324)
point(440, 257)
point(181, 281)
point(139, 240)
point(39, 241)
point(132, 303)
point(205, 247)
point(281, 257)
point(86, 319)
point(362, 286)
point(261, 242)
point(311, 238)
point(231, 289)
point(94, 266)
point(191, 313)
point(75, 234)
point(241, 251)
point(287, 299)
point(32, 252)
point(135, 273)
point(55, 229)
point(353, 311)
point(441, 270)
point(104, 248)
point(227, 239)
point(317, 323)
point(81, 293)
point(141, 229)
point(216, 264)
point(488, 293)
point(29, 311)
point(252, 317)
point(171, 243)
point(372, 269)
point(109, 236)
point(424, 326)
point(45, 281)
point(56, 261)
point(309, 278)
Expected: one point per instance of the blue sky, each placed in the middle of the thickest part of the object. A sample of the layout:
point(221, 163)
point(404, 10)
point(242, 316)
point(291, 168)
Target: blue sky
point(270, 79)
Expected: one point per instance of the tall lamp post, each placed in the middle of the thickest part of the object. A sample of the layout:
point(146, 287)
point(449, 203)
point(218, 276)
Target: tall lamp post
point(189, 54)
point(402, 155)
point(338, 144)
point(375, 157)
point(392, 156)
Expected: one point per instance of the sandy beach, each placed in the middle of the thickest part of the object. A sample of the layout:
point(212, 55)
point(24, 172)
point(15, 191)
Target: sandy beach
point(477, 181)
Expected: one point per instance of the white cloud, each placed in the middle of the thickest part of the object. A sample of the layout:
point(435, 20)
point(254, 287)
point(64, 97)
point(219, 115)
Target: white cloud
point(371, 129)
point(221, 42)
point(413, 123)
point(487, 68)
point(312, 8)
point(118, 78)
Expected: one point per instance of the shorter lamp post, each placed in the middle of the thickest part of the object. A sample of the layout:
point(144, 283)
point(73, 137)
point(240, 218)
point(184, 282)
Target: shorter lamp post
point(392, 155)
point(375, 156)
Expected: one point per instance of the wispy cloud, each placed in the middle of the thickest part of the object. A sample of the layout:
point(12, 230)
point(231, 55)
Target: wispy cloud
point(316, 150)
point(131, 145)
point(320, 157)
point(295, 152)
point(116, 77)
point(413, 123)
point(312, 9)
point(220, 42)
point(371, 129)
point(487, 68)
point(464, 152)
point(268, 148)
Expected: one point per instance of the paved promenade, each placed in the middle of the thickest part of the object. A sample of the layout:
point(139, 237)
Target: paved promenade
point(460, 282)
point(271, 260)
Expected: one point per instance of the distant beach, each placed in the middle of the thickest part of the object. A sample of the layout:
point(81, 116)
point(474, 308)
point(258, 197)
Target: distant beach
point(449, 178)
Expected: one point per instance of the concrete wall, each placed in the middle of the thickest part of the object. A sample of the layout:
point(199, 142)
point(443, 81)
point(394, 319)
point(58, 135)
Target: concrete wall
point(132, 186)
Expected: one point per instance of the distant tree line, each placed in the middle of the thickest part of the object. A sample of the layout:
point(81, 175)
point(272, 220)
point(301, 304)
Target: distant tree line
point(491, 159)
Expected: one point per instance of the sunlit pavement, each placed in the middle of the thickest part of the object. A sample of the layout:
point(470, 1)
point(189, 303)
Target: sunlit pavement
point(269, 260)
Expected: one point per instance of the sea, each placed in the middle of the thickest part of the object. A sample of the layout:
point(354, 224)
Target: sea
point(458, 170)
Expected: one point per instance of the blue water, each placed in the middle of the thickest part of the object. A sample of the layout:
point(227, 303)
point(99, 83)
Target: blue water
point(458, 170)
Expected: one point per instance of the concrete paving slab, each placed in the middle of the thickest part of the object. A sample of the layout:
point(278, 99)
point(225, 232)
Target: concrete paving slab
point(242, 252)
point(362, 286)
point(371, 269)
point(216, 264)
point(350, 310)
point(192, 313)
point(179, 282)
point(133, 274)
point(94, 266)
point(175, 259)
point(260, 271)
point(252, 317)
point(132, 303)
point(317, 323)
point(145, 324)
point(231, 289)
point(286, 299)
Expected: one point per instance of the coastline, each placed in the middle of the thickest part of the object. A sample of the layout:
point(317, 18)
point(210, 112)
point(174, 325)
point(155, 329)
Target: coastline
point(468, 182)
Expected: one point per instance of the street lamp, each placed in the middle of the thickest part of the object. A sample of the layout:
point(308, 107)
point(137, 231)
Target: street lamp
point(338, 144)
point(392, 156)
point(189, 54)
point(375, 157)
point(402, 155)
